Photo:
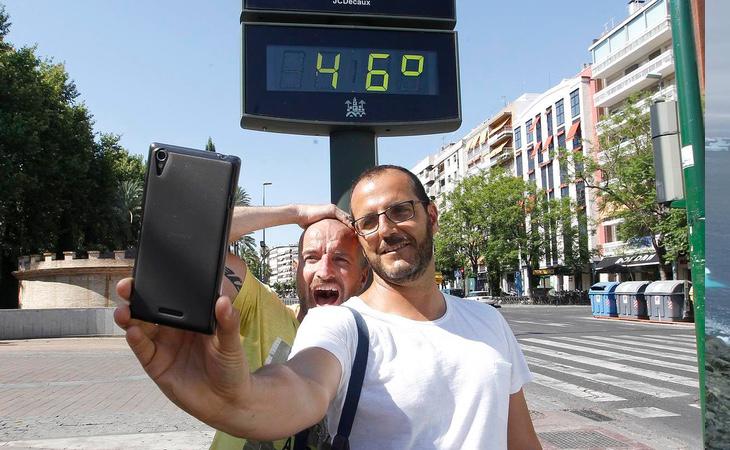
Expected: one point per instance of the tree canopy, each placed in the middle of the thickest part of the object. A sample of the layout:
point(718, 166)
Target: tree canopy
point(623, 180)
point(64, 187)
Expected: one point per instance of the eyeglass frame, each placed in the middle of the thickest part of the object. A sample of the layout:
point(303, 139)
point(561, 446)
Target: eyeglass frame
point(385, 211)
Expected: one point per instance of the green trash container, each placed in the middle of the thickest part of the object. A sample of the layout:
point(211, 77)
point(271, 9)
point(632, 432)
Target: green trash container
point(630, 300)
point(668, 301)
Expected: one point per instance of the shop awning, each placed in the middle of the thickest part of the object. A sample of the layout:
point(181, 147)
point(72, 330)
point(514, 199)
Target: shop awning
point(624, 263)
point(573, 130)
point(500, 124)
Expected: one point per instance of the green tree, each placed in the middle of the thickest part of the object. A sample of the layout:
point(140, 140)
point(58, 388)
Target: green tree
point(210, 146)
point(58, 180)
point(622, 177)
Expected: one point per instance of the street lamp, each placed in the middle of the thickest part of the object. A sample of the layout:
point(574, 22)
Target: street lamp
point(263, 241)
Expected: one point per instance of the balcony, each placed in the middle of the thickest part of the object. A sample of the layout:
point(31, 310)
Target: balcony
point(642, 45)
point(497, 136)
point(637, 80)
point(667, 93)
point(430, 179)
point(503, 157)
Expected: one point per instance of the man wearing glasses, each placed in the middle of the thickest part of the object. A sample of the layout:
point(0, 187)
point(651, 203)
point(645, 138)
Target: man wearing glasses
point(441, 372)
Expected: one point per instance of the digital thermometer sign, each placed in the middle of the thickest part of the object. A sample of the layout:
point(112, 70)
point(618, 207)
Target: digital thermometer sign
point(314, 79)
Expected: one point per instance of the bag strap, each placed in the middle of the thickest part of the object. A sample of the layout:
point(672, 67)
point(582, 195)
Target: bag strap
point(354, 387)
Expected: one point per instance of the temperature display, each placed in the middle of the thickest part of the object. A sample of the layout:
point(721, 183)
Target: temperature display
point(353, 70)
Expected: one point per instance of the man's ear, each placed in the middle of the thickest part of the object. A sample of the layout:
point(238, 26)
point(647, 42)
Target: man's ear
point(433, 214)
point(295, 265)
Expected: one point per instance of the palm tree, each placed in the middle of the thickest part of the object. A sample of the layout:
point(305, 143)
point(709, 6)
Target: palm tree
point(130, 196)
point(247, 242)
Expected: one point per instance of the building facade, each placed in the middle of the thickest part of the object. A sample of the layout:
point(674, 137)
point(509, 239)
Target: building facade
point(559, 120)
point(633, 57)
point(441, 172)
point(282, 261)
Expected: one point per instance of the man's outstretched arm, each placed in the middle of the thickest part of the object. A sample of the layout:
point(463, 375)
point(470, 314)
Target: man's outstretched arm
point(208, 376)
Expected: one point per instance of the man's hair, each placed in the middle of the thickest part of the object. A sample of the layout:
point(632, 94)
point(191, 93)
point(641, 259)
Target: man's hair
point(373, 172)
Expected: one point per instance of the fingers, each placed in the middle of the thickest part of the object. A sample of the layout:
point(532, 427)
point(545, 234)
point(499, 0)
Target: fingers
point(343, 217)
point(142, 346)
point(124, 289)
point(227, 330)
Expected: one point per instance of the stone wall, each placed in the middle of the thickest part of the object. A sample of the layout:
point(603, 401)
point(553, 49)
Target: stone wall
point(47, 282)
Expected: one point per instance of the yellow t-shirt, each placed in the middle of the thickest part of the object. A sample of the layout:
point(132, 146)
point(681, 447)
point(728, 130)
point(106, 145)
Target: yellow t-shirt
point(267, 332)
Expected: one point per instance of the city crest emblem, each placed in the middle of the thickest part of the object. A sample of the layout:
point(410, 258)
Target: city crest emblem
point(355, 108)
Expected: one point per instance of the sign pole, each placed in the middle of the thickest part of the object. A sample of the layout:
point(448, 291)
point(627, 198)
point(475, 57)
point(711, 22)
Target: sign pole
point(693, 164)
point(351, 153)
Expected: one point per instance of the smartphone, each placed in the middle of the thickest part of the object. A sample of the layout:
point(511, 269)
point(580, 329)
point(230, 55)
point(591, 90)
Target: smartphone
point(186, 216)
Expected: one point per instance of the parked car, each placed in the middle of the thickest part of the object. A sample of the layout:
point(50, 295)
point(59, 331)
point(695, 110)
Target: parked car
point(455, 292)
point(483, 297)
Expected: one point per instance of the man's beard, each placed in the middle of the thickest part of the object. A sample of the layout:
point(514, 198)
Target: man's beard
point(404, 274)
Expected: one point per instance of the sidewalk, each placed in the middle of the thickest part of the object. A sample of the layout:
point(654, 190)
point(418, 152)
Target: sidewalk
point(91, 393)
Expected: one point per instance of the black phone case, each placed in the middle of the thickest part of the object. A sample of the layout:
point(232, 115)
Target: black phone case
point(186, 215)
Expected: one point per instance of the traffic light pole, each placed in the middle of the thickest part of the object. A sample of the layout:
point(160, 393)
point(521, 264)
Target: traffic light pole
point(351, 153)
point(693, 165)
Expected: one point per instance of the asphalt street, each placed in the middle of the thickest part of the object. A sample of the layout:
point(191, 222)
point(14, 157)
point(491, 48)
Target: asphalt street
point(598, 384)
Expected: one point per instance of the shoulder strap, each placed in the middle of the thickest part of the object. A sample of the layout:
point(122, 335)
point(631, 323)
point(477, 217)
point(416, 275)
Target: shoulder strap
point(341, 440)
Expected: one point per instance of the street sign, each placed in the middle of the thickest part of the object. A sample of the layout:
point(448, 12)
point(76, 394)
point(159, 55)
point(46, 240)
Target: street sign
point(315, 79)
point(402, 13)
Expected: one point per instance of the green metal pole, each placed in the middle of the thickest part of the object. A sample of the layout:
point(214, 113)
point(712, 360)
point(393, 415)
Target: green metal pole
point(692, 131)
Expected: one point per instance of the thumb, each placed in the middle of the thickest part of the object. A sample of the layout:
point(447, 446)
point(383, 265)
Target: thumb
point(227, 328)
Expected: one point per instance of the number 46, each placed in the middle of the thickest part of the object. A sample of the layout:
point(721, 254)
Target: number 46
point(371, 72)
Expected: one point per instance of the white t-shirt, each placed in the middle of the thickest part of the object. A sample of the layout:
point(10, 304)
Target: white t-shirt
point(443, 384)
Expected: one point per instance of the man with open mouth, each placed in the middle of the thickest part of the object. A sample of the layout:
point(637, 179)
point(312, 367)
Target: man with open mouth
point(330, 269)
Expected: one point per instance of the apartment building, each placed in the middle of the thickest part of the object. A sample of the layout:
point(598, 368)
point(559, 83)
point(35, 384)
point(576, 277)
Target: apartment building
point(558, 120)
point(634, 56)
point(441, 172)
point(281, 261)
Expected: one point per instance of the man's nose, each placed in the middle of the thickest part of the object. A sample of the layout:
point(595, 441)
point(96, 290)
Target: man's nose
point(386, 227)
point(326, 268)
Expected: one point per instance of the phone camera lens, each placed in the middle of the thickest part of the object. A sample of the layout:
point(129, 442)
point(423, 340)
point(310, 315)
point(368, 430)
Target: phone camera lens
point(161, 156)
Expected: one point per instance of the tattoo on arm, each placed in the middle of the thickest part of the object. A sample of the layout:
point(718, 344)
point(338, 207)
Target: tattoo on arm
point(233, 278)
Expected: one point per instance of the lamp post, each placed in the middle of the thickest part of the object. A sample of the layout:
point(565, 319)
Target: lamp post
point(263, 241)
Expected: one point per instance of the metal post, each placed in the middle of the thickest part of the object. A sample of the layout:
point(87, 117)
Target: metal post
point(693, 165)
point(263, 236)
point(351, 153)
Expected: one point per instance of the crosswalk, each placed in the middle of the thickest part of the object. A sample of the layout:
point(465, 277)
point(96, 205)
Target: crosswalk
point(643, 376)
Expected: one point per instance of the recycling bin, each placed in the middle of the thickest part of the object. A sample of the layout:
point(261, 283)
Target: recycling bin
point(630, 300)
point(666, 300)
point(603, 299)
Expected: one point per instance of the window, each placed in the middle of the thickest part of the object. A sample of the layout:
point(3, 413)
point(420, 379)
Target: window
point(549, 120)
point(564, 192)
point(563, 172)
point(539, 157)
point(518, 137)
point(559, 112)
point(532, 178)
point(618, 40)
point(561, 140)
point(530, 163)
point(601, 52)
point(578, 139)
point(538, 130)
point(528, 129)
point(609, 232)
point(551, 180)
point(656, 14)
point(575, 103)
point(518, 165)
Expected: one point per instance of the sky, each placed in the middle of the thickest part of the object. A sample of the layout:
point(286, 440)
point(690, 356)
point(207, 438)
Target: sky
point(717, 116)
point(169, 71)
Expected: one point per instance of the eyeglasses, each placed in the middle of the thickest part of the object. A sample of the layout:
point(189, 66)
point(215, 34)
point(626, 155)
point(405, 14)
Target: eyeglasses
point(400, 212)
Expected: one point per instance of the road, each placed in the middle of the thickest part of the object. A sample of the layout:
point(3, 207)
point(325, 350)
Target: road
point(635, 381)
point(599, 384)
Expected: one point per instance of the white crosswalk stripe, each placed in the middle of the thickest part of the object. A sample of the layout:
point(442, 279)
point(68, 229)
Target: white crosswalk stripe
point(687, 338)
point(631, 385)
point(610, 365)
point(647, 412)
point(620, 344)
point(613, 355)
point(683, 354)
point(562, 325)
point(575, 390)
point(688, 345)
